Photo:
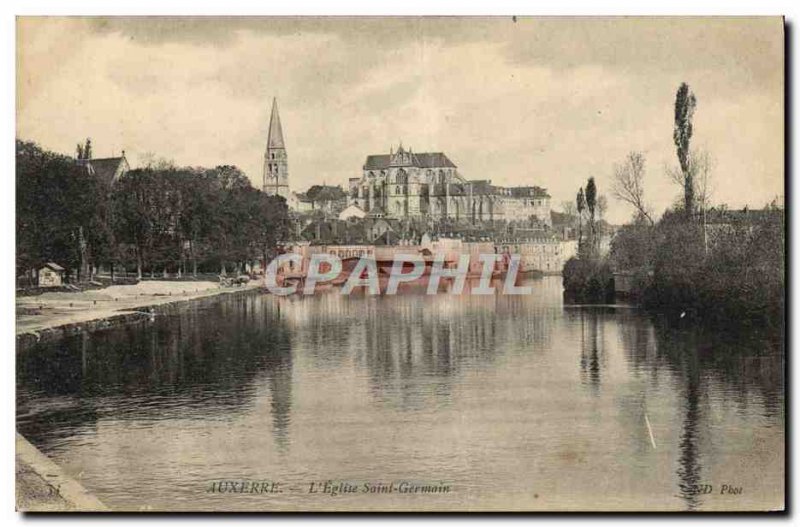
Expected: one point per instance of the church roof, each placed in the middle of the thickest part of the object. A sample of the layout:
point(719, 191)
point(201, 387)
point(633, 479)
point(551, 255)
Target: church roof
point(529, 192)
point(424, 160)
point(483, 186)
point(275, 137)
point(105, 169)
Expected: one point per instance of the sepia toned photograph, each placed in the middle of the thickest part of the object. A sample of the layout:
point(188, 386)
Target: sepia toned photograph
point(400, 264)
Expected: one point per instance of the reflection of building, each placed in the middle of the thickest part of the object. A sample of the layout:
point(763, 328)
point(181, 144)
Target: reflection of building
point(404, 184)
point(276, 163)
point(412, 338)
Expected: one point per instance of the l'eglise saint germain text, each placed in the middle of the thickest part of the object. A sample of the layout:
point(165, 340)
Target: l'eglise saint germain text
point(336, 488)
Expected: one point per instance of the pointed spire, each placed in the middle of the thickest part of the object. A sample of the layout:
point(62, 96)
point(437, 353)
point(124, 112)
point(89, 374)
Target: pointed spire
point(275, 138)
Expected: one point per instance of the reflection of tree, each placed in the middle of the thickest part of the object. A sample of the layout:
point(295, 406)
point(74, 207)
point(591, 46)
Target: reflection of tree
point(412, 345)
point(689, 463)
point(636, 333)
point(279, 379)
point(744, 362)
point(200, 361)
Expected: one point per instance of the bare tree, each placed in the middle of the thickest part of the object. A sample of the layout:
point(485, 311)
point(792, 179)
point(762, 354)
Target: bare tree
point(629, 183)
point(602, 207)
point(154, 162)
point(568, 207)
point(700, 165)
point(580, 203)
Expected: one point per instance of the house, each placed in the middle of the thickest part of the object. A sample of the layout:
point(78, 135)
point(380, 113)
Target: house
point(352, 211)
point(328, 199)
point(107, 169)
point(380, 231)
point(51, 275)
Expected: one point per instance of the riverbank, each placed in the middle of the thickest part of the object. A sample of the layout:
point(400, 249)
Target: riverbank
point(52, 316)
point(42, 486)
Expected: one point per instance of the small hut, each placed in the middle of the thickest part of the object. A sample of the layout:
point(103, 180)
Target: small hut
point(51, 275)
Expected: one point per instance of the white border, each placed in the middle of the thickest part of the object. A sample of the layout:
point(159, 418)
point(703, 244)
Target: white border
point(11, 8)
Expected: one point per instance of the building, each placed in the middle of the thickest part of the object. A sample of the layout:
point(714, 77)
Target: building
point(276, 162)
point(404, 184)
point(352, 212)
point(328, 200)
point(51, 275)
point(106, 169)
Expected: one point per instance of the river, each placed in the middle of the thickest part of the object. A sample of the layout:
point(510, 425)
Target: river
point(497, 402)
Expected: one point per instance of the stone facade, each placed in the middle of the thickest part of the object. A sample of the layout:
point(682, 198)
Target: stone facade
point(404, 184)
point(276, 162)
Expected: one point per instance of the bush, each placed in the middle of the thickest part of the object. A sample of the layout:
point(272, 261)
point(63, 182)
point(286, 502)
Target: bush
point(737, 274)
point(588, 281)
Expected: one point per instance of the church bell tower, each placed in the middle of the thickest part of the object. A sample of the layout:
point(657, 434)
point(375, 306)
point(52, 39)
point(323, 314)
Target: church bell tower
point(276, 165)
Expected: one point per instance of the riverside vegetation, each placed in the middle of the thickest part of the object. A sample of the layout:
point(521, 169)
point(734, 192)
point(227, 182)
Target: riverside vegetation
point(710, 263)
point(156, 219)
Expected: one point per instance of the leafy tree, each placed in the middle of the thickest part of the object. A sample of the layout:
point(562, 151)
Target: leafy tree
point(591, 206)
point(685, 103)
point(326, 193)
point(59, 207)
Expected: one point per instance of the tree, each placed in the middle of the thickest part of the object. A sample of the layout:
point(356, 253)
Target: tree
point(685, 103)
point(59, 211)
point(272, 226)
point(87, 150)
point(134, 213)
point(151, 160)
point(196, 218)
point(326, 193)
point(580, 205)
point(702, 164)
point(602, 208)
point(591, 205)
point(629, 184)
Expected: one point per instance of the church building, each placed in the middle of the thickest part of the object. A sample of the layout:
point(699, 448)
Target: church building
point(404, 184)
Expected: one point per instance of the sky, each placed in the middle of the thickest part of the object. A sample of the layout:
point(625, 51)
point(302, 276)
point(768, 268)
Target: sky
point(525, 101)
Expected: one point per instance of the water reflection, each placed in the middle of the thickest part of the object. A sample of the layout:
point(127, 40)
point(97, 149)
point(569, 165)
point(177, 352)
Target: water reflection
point(591, 348)
point(747, 365)
point(515, 392)
point(201, 361)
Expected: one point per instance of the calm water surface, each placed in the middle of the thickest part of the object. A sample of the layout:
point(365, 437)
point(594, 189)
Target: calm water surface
point(514, 402)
